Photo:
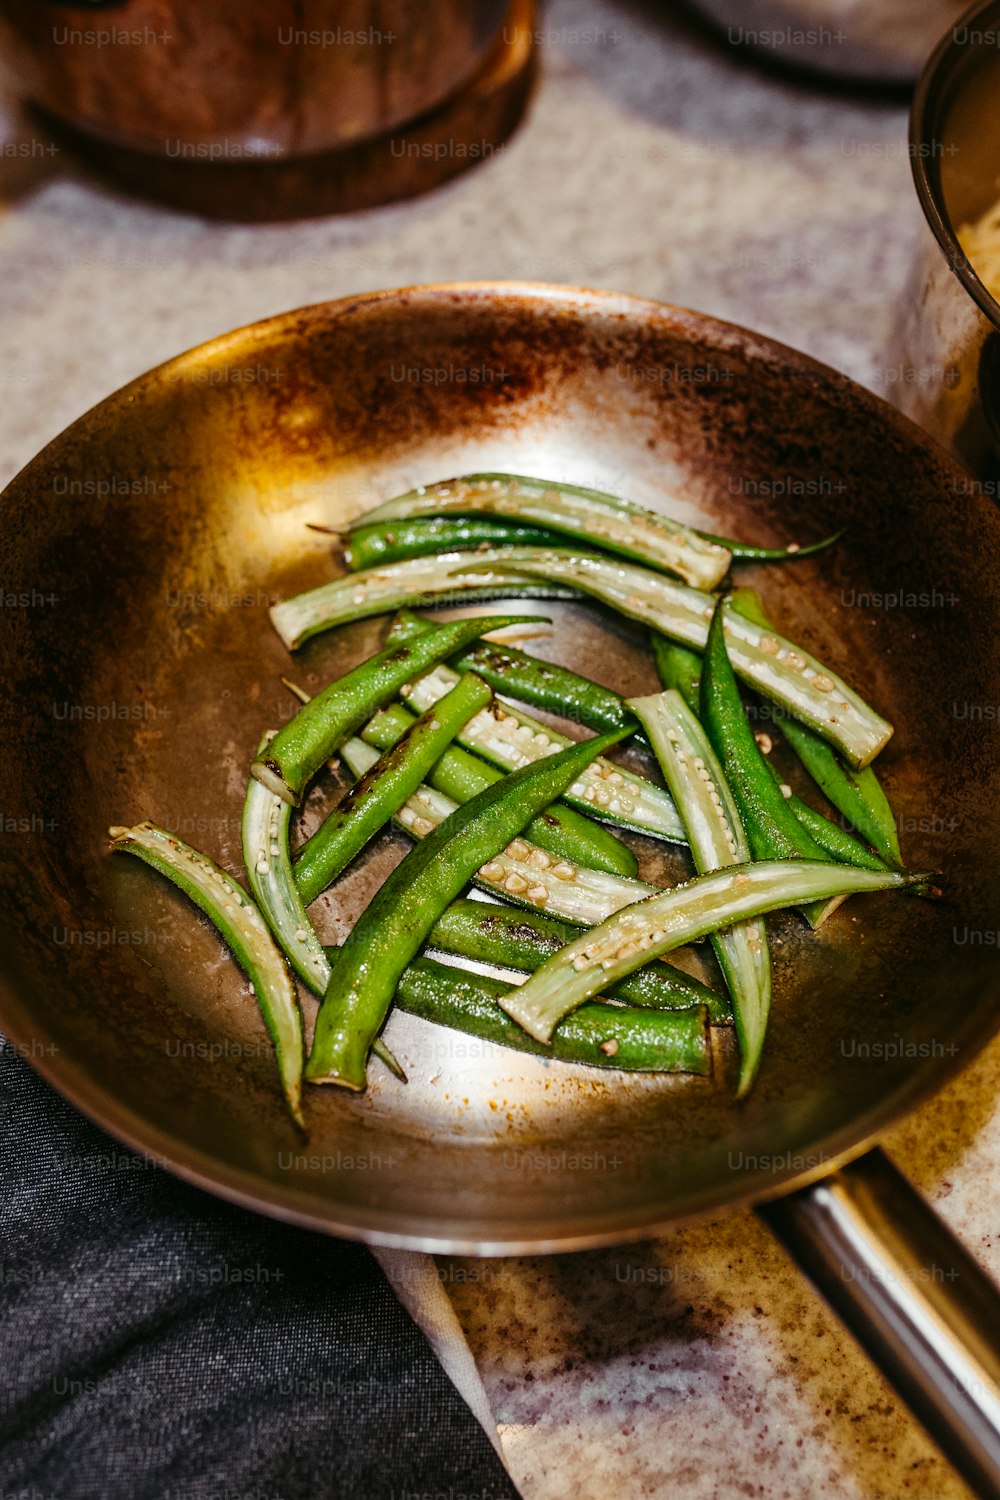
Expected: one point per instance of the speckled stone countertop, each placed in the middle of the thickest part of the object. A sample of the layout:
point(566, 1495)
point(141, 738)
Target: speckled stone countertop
point(656, 161)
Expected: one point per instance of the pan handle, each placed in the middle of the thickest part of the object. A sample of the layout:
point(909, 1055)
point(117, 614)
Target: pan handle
point(912, 1296)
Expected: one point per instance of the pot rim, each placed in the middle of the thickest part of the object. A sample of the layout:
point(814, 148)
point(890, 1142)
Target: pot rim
point(937, 83)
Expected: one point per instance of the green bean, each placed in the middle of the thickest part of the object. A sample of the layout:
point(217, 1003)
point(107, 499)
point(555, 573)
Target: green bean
point(560, 830)
point(382, 791)
point(772, 828)
point(587, 515)
point(678, 668)
point(600, 1036)
point(394, 541)
point(494, 934)
point(515, 674)
point(376, 591)
point(321, 725)
point(834, 840)
point(666, 921)
point(264, 831)
point(717, 838)
point(523, 873)
point(745, 552)
point(857, 795)
point(230, 909)
point(397, 920)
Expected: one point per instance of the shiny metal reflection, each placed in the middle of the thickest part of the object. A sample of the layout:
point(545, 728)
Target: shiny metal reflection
point(946, 344)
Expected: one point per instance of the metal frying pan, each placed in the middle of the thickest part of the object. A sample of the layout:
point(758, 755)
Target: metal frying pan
point(139, 671)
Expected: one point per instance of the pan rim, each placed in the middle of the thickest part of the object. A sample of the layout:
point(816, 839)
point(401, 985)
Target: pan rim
point(81, 1087)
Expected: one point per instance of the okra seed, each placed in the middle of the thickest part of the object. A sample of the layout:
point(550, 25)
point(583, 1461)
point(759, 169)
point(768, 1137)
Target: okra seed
point(515, 884)
point(610, 1047)
point(492, 871)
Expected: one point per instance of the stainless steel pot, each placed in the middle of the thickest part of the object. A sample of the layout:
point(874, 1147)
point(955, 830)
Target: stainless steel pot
point(873, 39)
point(947, 343)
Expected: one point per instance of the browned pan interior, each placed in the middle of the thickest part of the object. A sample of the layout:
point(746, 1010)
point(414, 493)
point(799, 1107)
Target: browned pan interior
point(141, 671)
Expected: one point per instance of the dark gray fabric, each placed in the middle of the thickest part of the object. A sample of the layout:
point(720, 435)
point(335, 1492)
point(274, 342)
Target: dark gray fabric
point(157, 1344)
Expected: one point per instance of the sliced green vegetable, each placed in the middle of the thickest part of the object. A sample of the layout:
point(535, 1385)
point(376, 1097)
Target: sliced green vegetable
point(243, 929)
point(397, 920)
point(509, 738)
point(493, 934)
point(774, 666)
point(265, 825)
point(601, 1036)
point(460, 775)
point(857, 795)
point(295, 754)
point(709, 903)
point(377, 591)
point(780, 670)
point(394, 541)
point(523, 873)
point(382, 791)
point(587, 515)
point(717, 838)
